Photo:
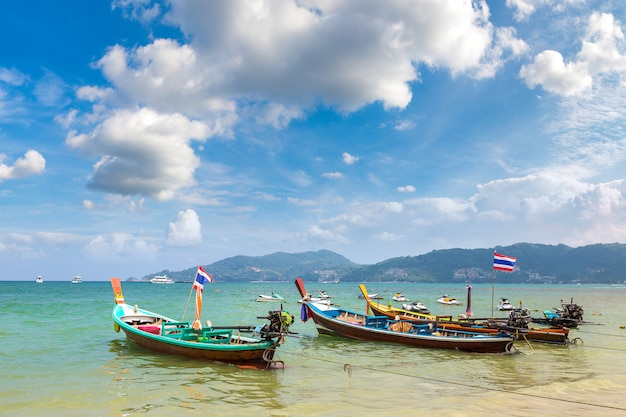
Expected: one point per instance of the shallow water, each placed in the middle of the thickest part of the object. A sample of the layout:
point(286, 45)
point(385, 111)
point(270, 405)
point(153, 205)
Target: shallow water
point(61, 357)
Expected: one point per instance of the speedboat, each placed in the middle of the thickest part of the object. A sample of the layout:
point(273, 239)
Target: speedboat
point(39, 279)
point(417, 307)
point(444, 299)
point(399, 297)
point(161, 279)
point(77, 279)
point(323, 295)
point(270, 298)
point(505, 305)
point(374, 296)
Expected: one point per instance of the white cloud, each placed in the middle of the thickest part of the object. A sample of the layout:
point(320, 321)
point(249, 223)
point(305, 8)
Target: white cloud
point(50, 90)
point(12, 76)
point(549, 71)
point(366, 50)
point(406, 189)
point(32, 163)
point(142, 152)
point(349, 159)
point(186, 231)
point(332, 175)
point(88, 204)
point(599, 54)
point(388, 237)
point(119, 245)
point(317, 233)
point(525, 8)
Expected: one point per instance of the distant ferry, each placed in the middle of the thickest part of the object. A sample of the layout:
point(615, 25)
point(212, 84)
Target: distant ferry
point(161, 279)
point(39, 279)
point(77, 279)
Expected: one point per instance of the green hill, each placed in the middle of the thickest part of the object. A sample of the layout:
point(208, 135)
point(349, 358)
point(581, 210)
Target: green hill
point(536, 263)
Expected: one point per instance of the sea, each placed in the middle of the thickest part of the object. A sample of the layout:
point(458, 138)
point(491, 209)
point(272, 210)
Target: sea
point(61, 356)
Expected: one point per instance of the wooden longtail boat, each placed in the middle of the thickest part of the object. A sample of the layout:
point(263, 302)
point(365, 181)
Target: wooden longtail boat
point(224, 343)
point(332, 319)
point(556, 335)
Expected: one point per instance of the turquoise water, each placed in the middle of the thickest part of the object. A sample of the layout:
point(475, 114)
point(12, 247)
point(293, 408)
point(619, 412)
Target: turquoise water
point(61, 357)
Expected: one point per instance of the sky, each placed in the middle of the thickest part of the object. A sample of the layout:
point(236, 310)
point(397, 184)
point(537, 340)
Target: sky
point(138, 136)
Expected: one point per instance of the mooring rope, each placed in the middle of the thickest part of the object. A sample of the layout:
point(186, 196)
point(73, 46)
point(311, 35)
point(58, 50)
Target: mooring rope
point(349, 368)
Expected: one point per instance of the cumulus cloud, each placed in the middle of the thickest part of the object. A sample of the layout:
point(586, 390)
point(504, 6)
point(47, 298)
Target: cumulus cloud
point(119, 245)
point(349, 159)
point(525, 8)
point(561, 208)
point(554, 75)
point(599, 54)
point(406, 189)
point(186, 231)
point(32, 163)
point(366, 51)
point(142, 152)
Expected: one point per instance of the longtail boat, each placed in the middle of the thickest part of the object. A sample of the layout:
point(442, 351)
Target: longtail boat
point(331, 319)
point(515, 326)
point(224, 343)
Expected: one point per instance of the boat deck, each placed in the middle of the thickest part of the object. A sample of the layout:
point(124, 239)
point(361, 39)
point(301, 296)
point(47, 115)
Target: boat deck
point(184, 331)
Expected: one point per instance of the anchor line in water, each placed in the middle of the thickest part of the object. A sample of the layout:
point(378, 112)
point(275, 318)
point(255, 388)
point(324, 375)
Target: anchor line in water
point(601, 334)
point(348, 367)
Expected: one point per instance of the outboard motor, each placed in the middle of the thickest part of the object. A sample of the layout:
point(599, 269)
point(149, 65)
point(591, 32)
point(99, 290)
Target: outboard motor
point(279, 324)
point(520, 317)
point(572, 311)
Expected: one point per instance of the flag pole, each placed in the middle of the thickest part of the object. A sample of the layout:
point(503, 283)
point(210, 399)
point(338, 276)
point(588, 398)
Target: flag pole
point(493, 280)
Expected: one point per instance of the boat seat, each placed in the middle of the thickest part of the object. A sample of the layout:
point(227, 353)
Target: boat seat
point(401, 327)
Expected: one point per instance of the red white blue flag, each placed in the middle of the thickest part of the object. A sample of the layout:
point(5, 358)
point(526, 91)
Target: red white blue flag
point(202, 277)
point(503, 262)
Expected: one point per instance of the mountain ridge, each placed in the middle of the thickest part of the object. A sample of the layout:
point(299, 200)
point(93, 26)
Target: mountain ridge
point(536, 263)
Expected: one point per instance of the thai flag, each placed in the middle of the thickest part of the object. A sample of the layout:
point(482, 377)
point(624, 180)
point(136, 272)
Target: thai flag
point(202, 277)
point(503, 262)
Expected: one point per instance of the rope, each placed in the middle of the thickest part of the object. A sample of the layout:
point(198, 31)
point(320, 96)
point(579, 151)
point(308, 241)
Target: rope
point(186, 305)
point(348, 368)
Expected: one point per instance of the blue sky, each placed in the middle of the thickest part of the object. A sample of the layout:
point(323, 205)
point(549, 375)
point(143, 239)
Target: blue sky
point(140, 135)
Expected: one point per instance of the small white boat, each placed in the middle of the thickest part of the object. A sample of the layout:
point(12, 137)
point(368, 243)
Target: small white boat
point(399, 297)
point(322, 297)
point(416, 307)
point(444, 299)
point(39, 279)
point(77, 279)
point(270, 298)
point(505, 305)
point(161, 279)
point(374, 296)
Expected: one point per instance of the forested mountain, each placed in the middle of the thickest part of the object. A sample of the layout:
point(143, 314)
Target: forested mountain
point(280, 266)
point(536, 263)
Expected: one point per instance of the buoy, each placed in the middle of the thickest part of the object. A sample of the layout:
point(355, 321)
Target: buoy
point(621, 327)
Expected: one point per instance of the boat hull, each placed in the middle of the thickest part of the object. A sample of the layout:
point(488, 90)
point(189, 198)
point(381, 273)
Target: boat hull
point(130, 320)
point(356, 331)
point(334, 320)
point(556, 335)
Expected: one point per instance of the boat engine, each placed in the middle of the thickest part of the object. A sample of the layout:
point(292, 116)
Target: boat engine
point(520, 317)
point(572, 311)
point(279, 323)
